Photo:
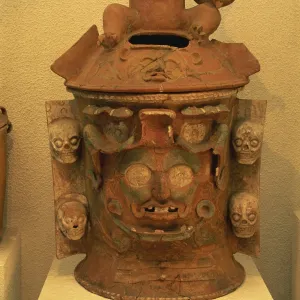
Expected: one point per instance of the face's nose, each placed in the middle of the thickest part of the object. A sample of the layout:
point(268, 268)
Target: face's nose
point(67, 146)
point(244, 222)
point(245, 146)
point(160, 190)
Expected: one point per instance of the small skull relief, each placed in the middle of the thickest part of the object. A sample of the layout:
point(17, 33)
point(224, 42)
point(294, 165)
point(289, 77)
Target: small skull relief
point(72, 220)
point(247, 142)
point(65, 137)
point(244, 214)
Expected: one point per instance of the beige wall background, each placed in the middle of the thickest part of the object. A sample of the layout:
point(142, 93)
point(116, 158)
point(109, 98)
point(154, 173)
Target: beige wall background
point(33, 33)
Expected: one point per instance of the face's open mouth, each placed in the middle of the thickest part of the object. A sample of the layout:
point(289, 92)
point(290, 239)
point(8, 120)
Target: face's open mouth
point(157, 222)
point(154, 211)
point(67, 153)
point(157, 235)
point(161, 213)
point(245, 152)
point(245, 231)
point(161, 210)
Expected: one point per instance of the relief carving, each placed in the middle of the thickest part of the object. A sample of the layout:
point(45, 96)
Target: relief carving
point(65, 138)
point(244, 214)
point(246, 177)
point(111, 136)
point(247, 141)
point(116, 132)
point(153, 195)
point(72, 217)
point(193, 133)
point(205, 209)
point(157, 69)
point(205, 111)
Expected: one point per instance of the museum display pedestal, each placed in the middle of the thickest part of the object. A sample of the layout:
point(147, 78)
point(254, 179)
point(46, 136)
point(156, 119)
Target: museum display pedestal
point(296, 256)
point(10, 265)
point(61, 284)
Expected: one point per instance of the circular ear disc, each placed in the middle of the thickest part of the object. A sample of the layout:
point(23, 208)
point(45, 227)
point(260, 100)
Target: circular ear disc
point(205, 209)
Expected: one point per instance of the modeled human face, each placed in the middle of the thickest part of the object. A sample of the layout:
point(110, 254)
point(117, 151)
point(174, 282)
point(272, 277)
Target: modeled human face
point(158, 188)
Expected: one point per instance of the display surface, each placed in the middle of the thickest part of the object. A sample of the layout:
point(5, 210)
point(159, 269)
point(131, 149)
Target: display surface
point(5, 127)
point(156, 162)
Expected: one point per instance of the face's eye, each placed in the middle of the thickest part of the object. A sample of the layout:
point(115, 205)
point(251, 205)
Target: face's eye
point(254, 143)
point(138, 175)
point(180, 176)
point(252, 217)
point(236, 217)
point(74, 140)
point(238, 142)
point(68, 220)
point(58, 143)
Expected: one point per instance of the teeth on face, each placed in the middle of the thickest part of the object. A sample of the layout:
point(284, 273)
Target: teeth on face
point(161, 209)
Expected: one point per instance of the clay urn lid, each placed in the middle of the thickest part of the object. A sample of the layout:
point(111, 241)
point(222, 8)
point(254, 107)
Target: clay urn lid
point(165, 50)
point(4, 119)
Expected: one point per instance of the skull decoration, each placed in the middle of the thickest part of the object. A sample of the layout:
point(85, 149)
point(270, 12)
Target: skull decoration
point(64, 135)
point(247, 142)
point(72, 219)
point(244, 214)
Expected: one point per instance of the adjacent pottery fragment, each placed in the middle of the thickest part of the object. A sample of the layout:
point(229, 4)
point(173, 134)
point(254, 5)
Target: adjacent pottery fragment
point(5, 127)
point(156, 161)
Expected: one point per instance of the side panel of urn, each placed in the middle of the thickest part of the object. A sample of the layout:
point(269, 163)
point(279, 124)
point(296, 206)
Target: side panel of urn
point(65, 141)
point(246, 143)
point(4, 128)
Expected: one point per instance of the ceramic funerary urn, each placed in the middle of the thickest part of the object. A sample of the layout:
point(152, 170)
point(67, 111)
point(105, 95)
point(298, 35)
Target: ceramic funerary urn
point(156, 162)
point(5, 127)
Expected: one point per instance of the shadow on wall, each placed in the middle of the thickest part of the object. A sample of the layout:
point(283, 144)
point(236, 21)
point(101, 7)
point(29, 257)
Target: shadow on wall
point(280, 181)
point(10, 145)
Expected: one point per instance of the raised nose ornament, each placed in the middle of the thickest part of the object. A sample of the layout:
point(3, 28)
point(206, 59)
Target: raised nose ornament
point(156, 162)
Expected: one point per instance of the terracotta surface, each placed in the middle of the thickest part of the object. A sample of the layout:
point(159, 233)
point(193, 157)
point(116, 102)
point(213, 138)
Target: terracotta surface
point(5, 127)
point(158, 189)
point(138, 52)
